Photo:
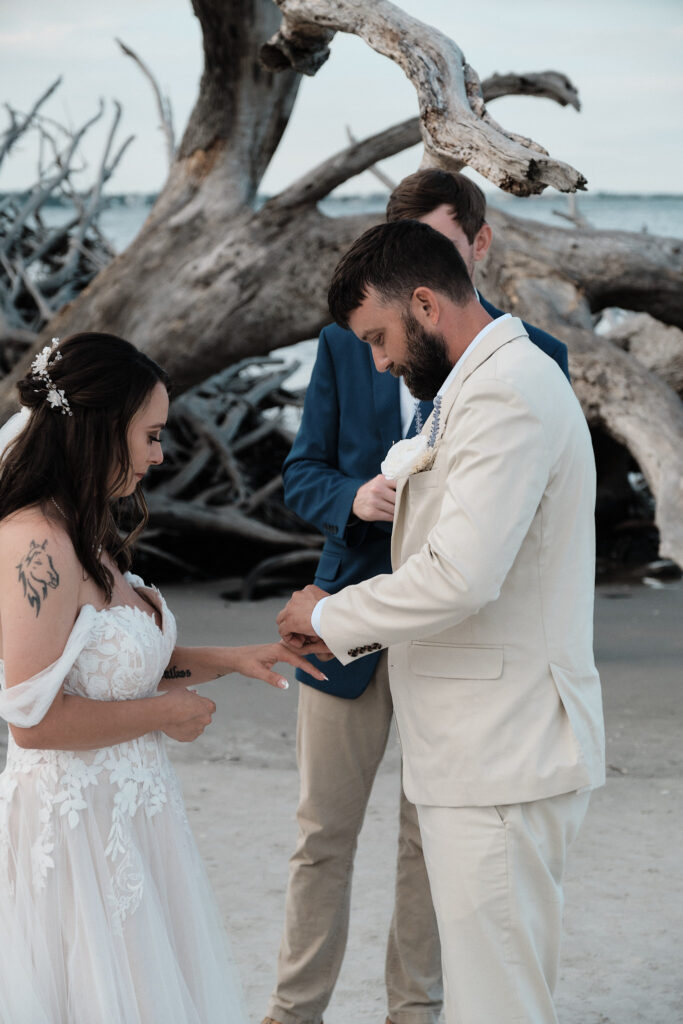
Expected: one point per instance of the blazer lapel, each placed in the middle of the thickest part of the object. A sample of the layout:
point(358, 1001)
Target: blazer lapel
point(397, 528)
point(500, 334)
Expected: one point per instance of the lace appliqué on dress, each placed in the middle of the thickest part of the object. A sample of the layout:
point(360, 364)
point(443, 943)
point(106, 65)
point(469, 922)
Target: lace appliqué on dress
point(124, 658)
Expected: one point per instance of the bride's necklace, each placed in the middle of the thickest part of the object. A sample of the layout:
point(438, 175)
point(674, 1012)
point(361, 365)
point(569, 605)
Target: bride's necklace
point(58, 507)
point(63, 514)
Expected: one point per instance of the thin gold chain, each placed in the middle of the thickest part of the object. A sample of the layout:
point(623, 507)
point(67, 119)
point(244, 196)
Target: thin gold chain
point(61, 510)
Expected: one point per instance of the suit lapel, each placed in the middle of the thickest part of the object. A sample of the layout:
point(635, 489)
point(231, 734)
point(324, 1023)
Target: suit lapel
point(499, 335)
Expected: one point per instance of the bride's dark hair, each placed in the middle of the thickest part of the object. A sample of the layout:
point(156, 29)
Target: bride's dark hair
point(80, 461)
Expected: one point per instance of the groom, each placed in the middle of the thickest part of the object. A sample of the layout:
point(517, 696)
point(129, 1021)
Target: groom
point(487, 616)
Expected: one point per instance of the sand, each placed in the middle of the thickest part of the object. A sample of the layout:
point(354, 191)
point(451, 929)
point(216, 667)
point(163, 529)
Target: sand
point(624, 891)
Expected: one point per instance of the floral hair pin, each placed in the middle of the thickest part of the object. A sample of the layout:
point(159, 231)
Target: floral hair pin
point(55, 396)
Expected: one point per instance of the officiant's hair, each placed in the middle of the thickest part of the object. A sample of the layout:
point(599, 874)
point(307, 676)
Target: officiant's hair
point(79, 459)
point(423, 192)
point(395, 259)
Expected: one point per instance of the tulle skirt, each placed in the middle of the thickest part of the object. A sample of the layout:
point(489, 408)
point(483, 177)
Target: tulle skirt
point(106, 913)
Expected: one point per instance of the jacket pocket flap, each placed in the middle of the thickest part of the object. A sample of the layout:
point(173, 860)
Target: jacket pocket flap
point(450, 661)
point(328, 566)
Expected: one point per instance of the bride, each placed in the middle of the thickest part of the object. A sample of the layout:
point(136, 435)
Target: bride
point(105, 910)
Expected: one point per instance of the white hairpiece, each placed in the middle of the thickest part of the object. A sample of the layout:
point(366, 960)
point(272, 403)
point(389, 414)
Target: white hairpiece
point(39, 370)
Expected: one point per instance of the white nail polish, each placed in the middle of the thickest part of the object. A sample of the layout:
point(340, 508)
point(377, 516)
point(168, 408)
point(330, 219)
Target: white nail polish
point(284, 685)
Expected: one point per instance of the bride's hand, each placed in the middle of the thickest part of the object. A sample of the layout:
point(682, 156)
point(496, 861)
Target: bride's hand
point(186, 714)
point(257, 662)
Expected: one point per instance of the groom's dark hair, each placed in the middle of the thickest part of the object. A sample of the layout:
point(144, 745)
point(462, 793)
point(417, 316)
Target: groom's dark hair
point(395, 259)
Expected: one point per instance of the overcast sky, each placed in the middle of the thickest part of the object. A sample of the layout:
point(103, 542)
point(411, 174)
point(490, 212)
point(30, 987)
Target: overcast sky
point(623, 55)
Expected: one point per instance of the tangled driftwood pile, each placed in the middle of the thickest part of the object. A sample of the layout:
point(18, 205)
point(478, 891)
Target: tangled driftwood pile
point(216, 503)
point(43, 267)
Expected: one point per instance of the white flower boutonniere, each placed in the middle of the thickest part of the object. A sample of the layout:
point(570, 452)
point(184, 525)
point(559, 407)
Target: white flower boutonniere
point(411, 455)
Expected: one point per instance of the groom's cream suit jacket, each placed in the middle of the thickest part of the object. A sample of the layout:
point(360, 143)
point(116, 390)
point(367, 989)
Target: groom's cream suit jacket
point(488, 615)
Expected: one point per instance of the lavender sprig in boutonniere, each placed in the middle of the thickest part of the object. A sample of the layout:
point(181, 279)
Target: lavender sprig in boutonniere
point(413, 454)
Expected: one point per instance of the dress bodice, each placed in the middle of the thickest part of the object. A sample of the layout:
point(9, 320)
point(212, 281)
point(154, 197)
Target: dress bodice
point(116, 653)
point(124, 656)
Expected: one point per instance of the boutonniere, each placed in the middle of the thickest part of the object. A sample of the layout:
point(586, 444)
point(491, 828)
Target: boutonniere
point(413, 454)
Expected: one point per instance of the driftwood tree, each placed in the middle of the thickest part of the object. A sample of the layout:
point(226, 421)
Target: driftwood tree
point(211, 278)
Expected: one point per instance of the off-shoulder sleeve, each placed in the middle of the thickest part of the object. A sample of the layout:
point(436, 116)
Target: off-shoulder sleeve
point(27, 703)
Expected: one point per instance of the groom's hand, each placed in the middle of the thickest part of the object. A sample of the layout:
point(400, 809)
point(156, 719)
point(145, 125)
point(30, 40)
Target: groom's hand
point(375, 500)
point(294, 621)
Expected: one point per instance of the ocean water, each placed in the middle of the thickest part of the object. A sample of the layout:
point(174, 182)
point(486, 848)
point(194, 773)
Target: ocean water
point(655, 214)
point(124, 215)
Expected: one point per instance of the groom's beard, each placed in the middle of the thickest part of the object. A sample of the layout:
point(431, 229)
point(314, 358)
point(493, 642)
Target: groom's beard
point(428, 363)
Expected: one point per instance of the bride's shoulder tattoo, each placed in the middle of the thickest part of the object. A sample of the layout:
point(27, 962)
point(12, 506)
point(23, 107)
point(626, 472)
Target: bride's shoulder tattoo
point(37, 574)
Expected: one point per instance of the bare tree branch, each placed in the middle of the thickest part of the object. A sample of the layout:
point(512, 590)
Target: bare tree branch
point(42, 267)
point(43, 189)
point(382, 178)
point(573, 214)
point(163, 103)
point(319, 182)
point(362, 156)
point(17, 128)
point(454, 134)
point(90, 211)
point(551, 84)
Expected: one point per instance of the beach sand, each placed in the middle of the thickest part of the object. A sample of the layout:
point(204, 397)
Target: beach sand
point(621, 959)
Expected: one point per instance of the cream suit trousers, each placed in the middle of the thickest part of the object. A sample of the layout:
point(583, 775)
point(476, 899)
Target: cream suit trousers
point(340, 744)
point(496, 877)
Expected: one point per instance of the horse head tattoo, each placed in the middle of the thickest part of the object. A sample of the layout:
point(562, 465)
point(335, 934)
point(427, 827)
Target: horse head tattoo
point(37, 573)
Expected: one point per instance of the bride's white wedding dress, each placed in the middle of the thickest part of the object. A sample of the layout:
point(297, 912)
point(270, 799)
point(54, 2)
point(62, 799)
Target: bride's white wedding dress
point(106, 915)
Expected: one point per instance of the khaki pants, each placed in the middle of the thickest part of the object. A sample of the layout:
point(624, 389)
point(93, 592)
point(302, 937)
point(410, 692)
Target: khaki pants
point(496, 876)
point(340, 744)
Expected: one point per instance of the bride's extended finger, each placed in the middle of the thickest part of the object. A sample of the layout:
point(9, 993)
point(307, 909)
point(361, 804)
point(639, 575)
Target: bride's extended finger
point(295, 659)
point(275, 680)
point(272, 678)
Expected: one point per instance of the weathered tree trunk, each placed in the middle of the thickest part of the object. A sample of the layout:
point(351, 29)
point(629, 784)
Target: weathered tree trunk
point(559, 279)
point(210, 279)
point(657, 346)
point(612, 268)
point(617, 392)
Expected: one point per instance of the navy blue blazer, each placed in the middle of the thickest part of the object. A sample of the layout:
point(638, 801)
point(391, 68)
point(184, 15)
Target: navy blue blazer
point(350, 420)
